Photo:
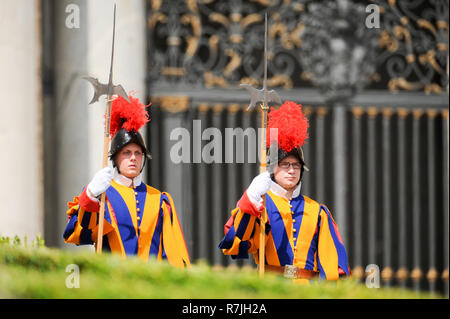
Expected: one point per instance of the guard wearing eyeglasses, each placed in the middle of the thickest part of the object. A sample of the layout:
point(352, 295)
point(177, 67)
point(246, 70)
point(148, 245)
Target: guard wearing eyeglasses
point(302, 240)
point(139, 219)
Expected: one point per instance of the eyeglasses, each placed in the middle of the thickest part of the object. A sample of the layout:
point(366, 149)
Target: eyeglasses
point(128, 154)
point(287, 165)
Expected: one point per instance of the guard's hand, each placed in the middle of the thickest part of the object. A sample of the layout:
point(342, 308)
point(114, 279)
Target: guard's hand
point(101, 181)
point(259, 186)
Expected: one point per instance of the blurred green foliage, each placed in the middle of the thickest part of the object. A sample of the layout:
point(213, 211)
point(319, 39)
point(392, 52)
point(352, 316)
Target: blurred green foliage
point(35, 271)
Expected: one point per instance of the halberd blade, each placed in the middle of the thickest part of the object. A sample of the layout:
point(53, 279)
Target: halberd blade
point(274, 97)
point(102, 89)
point(119, 90)
point(255, 95)
point(99, 88)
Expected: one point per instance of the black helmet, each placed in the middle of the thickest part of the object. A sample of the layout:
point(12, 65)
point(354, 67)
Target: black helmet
point(123, 138)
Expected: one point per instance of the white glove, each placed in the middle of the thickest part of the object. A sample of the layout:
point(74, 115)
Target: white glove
point(100, 182)
point(259, 186)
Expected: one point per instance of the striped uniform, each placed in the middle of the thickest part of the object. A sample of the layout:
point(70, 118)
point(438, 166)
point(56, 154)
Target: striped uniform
point(138, 221)
point(299, 232)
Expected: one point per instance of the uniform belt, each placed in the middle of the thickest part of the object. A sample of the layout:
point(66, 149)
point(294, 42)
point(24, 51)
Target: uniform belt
point(292, 272)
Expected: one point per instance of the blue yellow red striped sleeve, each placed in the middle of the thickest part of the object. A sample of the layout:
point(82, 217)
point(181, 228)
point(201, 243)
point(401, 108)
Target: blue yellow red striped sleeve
point(331, 254)
point(239, 230)
point(82, 227)
point(173, 244)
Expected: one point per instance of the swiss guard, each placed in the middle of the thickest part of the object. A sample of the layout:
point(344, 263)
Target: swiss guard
point(139, 219)
point(302, 241)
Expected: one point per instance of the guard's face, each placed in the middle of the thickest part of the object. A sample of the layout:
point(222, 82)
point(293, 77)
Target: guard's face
point(129, 160)
point(287, 172)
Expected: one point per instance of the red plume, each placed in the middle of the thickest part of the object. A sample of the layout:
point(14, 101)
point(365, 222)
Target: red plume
point(291, 123)
point(130, 116)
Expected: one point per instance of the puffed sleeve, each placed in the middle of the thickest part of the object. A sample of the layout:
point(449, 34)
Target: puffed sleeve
point(331, 255)
point(82, 226)
point(240, 230)
point(173, 242)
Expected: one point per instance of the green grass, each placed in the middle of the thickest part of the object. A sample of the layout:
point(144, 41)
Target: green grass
point(39, 272)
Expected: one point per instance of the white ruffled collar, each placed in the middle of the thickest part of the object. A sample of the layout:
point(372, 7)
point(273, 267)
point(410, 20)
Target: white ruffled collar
point(125, 181)
point(280, 191)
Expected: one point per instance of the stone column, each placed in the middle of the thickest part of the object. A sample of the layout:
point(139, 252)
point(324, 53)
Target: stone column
point(21, 185)
point(68, 139)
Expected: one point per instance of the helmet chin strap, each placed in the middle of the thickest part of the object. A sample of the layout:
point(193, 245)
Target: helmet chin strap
point(143, 163)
